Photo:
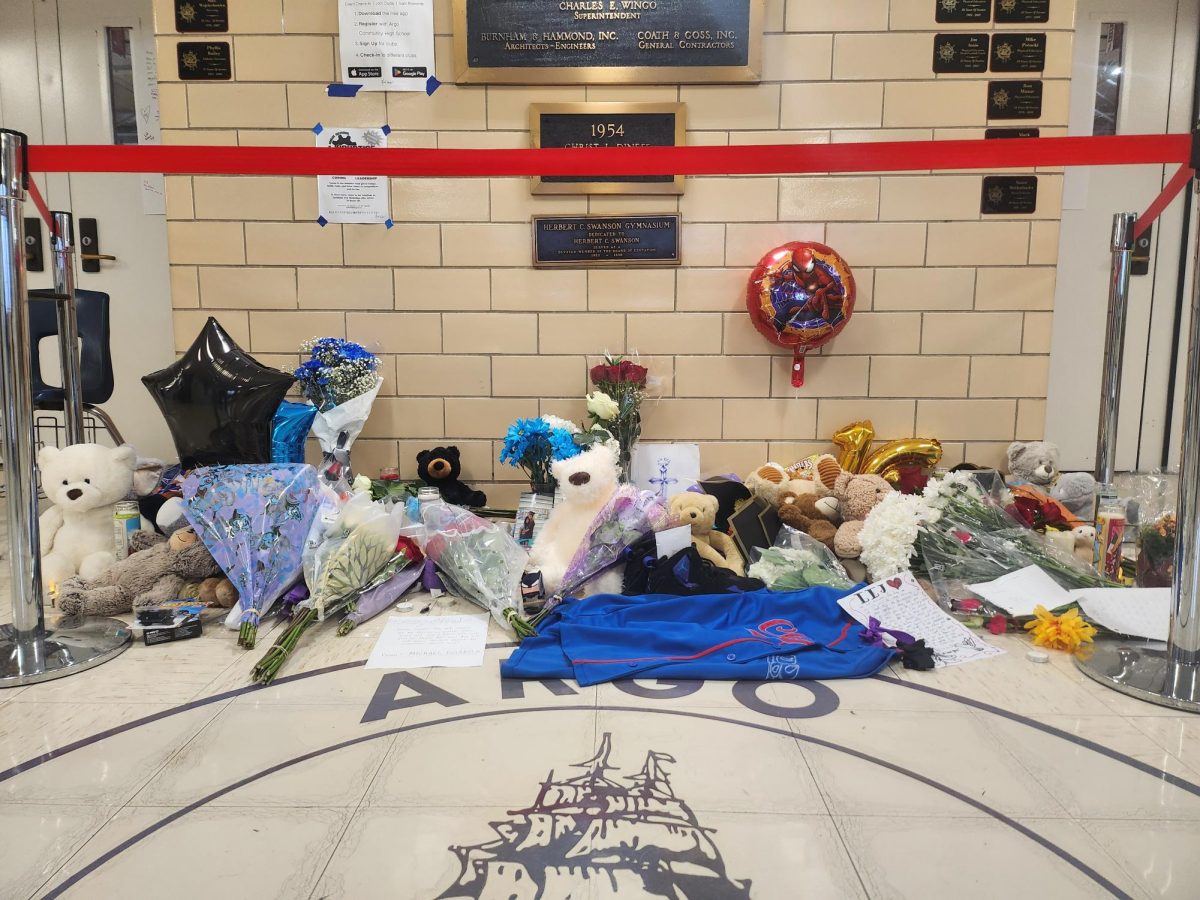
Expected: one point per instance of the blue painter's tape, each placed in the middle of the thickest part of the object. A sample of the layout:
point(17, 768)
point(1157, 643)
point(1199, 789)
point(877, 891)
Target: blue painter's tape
point(432, 85)
point(322, 221)
point(318, 128)
point(389, 223)
point(343, 90)
point(386, 129)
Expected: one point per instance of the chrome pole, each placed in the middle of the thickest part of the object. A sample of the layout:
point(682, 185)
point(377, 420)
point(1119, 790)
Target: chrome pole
point(68, 328)
point(29, 650)
point(1114, 346)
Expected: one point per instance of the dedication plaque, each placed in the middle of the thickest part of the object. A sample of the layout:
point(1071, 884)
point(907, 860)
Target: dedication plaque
point(607, 41)
point(1014, 100)
point(608, 125)
point(1022, 11)
point(1018, 52)
point(201, 15)
point(949, 11)
point(1009, 195)
point(204, 61)
point(584, 242)
point(1001, 133)
point(960, 53)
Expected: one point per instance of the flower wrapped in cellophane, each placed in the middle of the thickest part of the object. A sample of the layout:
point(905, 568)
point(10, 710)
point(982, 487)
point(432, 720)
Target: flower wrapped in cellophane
point(479, 561)
point(797, 562)
point(254, 519)
point(401, 573)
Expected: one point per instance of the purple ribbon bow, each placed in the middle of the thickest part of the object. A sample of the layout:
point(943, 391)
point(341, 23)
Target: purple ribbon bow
point(873, 634)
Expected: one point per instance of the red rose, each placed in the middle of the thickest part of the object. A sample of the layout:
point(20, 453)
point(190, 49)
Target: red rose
point(997, 624)
point(633, 372)
point(603, 374)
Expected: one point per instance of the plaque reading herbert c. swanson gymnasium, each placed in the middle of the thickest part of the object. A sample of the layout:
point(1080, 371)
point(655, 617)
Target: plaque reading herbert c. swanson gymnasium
point(582, 242)
point(607, 41)
point(607, 125)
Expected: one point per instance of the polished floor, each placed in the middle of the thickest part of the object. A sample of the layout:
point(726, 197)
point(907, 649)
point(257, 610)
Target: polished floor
point(162, 773)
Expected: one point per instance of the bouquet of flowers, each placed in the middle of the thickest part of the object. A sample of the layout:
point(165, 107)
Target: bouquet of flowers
point(1156, 552)
point(254, 520)
point(797, 562)
point(533, 445)
point(400, 574)
point(615, 405)
point(478, 560)
point(341, 379)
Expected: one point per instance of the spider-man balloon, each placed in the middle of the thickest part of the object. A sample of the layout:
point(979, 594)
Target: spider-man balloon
point(800, 296)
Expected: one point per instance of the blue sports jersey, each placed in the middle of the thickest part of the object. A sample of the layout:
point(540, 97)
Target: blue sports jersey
point(755, 636)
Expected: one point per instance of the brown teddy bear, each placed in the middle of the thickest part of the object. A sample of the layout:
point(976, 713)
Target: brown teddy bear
point(857, 495)
point(803, 512)
point(155, 571)
point(700, 512)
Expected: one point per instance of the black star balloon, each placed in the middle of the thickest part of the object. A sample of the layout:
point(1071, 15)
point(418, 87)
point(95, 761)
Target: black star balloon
point(219, 402)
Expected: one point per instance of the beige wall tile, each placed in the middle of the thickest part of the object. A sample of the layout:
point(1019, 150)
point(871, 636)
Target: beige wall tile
point(824, 376)
point(440, 200)
point(919, 376)
point(1043, 243)
point(923, 288)
point(440, 289)
point(356, 288)
point(1009, 376)
point(511, 201)
point(616, 205)
point(1027, 287)
point(541, 290)
point(485, 417)
point(681, 420)
point(304, 198)
point(290, 58)
point(538, 376)
point(668, 333)
point(237, 105)
point(401, 245)
point(283, 332)
point(310, 16)
point(370, 456)
point(715, 290)
point(893, 419)
point(172, 105)
point(881, 57)
point(508, 107)
point(787, 452)
point(878, 244)
point(581, 333)
point(818, 15)
point(242, 197)
point(1036, 338)
point(731, 200)
point(797, 57)
point(631, 289)
point(774, 15)
point(293, 243)
point(255, 16)
point(829, 199)
point(1031, 420)
point(738, 457)
point(449, 109)
point(831, 104)
point(188, 323)
point(745, 245)
point(396, 332)
point(178, 197)
point(971, 332)
point(247, 288)
point(185, 287)
point(487, 245)
point(878, 333)
point(978, 420)
point(278, 137)
point(777, 420)
point(491, 333)
point(210, 138)
point(930, 104)
point(731, 107)
point(917, 197)
point(722, 376)
point(448, 376)
point(212, 243)
point(702, 245)
point(741, 338)
point(744, 138)
point(393, 417)
point(978, 243)
point(308, 104)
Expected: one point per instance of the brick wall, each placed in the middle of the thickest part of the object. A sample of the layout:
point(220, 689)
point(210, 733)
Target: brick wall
point(952, 330)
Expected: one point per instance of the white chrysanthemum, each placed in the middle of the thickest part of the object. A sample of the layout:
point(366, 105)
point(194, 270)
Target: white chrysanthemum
point(889, 535)
point(558, 422)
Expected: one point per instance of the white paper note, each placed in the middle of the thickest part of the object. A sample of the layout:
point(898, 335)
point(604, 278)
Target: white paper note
point(361, 199)
point(418, 642)
point(1019, 593)
point(671, 541)
point(386, 45)
point(899, 603)
point(1137, 612)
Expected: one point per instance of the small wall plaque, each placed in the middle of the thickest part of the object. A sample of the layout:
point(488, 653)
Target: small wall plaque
point(960, 53)
point(582, 242)
point(1022, 11)
point(1014, 100)
point(963, 10)
point(204, 61)
point(1018, 52)
point(1009, 195)
point(201, 15)
point(1000, 133)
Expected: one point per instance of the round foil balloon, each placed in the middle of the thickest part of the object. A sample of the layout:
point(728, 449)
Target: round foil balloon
point(800, 296)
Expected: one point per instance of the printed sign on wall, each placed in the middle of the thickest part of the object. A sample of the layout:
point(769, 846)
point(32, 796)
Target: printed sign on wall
point(386, 45)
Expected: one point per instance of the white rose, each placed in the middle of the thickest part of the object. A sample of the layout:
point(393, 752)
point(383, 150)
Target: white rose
point(361, 485)
point(602, 406)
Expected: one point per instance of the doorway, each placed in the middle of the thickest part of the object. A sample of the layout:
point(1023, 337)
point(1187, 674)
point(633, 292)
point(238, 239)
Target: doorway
point(84, 73)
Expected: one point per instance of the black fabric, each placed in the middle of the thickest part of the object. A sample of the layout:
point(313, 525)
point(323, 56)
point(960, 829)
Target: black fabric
point(686, 573)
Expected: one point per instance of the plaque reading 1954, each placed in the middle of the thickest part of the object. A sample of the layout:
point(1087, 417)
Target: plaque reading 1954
point(582, 242)
point(607, 41)
point(607, 125)
point(204, 61)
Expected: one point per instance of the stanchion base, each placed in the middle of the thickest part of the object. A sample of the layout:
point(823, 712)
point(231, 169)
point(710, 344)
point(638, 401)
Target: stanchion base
point(72, 644)
point(1139, 670)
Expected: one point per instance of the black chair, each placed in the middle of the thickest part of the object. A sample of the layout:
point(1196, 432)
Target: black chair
point(95, 361)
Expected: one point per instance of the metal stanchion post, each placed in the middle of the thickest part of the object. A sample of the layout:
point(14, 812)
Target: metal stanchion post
point(68, 327)
point(29, 651)
point(1114, 346)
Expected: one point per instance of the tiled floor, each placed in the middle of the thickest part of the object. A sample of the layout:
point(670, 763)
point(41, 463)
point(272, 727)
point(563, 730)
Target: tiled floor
point(162, 774)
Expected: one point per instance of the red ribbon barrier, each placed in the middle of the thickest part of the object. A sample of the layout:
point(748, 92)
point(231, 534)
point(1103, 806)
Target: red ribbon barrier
point(36, 196)
point(1178, 182)
point(1007, 153)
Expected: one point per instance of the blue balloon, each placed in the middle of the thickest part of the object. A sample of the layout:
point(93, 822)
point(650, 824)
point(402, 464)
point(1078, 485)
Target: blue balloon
point(289, 431)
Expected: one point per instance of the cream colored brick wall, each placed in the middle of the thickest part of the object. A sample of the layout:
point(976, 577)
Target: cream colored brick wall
point(953, 325)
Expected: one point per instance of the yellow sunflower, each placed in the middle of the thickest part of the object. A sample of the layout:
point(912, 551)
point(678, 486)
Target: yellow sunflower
point(1065, 632)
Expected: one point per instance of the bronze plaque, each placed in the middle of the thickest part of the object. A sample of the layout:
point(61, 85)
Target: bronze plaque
point(587, 242)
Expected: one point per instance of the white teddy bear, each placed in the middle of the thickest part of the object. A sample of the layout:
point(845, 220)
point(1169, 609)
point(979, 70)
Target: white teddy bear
point(84, 482)
point(587, 481)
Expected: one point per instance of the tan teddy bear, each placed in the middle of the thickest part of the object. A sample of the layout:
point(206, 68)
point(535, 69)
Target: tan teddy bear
point(802, 511)
point(857, 495)
point(700, 512)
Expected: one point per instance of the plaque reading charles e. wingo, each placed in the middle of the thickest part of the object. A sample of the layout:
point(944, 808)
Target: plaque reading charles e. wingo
point(1022, 11)
point(583, 242)
point(960, 53)
point(949, 11)
point(201, 15)
point(1014, 100)
point(1018, 52)
point(607, 125)
point(1012, 195)
point(204, 61)
point(607, 41)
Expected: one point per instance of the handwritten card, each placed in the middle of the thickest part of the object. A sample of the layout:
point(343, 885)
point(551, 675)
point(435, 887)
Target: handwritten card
point(901, 604)
point(1019, 593)
point(1136, 612)
point(418, 642)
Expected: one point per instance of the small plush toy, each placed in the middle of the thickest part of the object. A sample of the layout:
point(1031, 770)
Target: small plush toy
point(440, 468)
point(700, 512)
point(857, 496)
point(1085, 543)
point(1033, 461)
point(587, 481)
point(1077, 492)
point(767, 482)
point(84, 482)
point(803, 512)
point(157, 570)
